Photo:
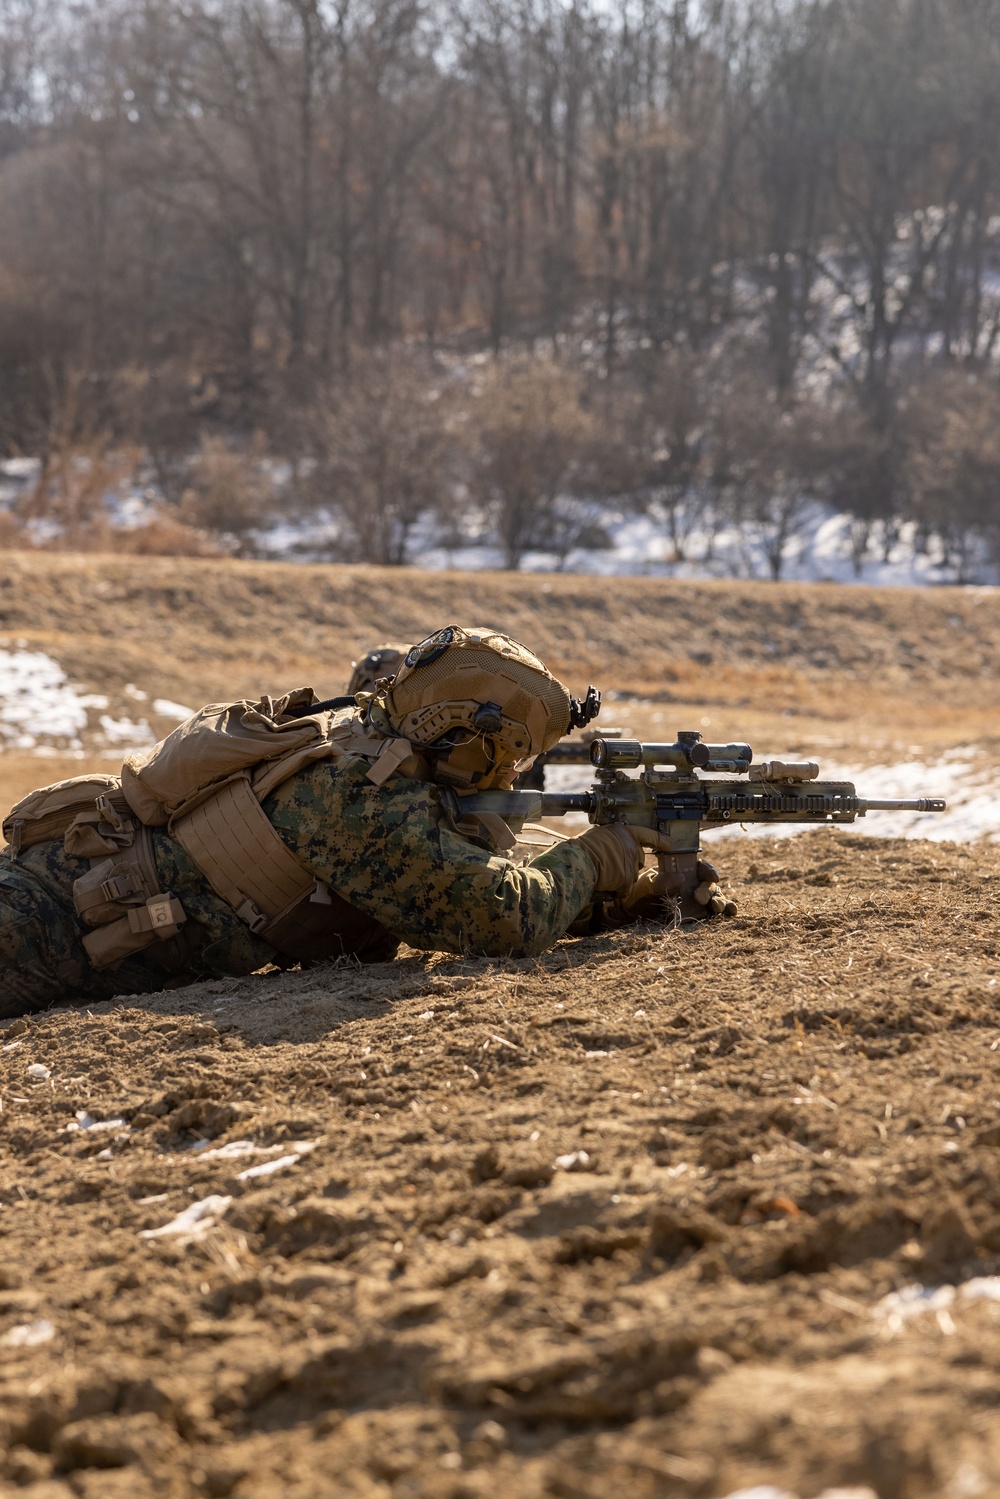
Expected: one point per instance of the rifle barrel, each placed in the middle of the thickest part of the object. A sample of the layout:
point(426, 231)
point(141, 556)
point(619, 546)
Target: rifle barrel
point(893, 804)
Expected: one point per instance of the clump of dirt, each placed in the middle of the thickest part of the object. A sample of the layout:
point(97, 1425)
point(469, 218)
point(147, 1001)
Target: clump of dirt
point(641, 1216)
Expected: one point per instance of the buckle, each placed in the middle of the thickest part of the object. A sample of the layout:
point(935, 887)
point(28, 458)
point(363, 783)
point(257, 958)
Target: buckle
point(248, 912)
point(122, 825)
point(120, 887)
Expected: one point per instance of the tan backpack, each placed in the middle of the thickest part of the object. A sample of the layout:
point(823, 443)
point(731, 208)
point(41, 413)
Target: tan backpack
point(48, 812)
point(222, 742)
point(205, 781)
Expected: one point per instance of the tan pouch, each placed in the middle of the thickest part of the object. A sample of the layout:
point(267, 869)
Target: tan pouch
point(98, 895)
point(220, 742)
point(48, 812)
point(121, 896)
point(159, 918)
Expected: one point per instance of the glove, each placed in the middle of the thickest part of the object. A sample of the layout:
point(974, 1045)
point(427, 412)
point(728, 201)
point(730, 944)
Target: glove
point(617, 851)
point(651, 899)
point(708, 892)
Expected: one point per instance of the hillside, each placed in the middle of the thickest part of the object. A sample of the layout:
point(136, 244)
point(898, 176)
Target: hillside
point(206, 626)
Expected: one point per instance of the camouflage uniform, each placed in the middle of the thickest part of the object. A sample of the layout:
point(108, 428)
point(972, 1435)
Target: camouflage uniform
point(387, 850)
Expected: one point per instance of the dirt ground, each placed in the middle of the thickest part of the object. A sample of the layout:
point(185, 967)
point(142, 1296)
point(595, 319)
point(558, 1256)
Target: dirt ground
point(619, 1221)
point(642, 1218)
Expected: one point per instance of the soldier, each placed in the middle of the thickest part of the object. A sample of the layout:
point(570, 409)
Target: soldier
point(375, 665)
point(279, 832)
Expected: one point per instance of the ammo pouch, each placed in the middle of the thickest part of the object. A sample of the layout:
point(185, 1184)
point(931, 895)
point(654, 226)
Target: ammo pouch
point(120, 896)
point(122, 901)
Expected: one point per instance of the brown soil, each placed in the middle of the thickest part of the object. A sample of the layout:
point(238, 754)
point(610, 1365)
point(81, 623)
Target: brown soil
point(784, 1118)
point(763, 1126)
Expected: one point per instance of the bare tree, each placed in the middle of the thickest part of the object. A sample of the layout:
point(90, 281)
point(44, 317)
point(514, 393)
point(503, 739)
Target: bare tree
point(382, 445)
point(771, 466)
point(530, 438)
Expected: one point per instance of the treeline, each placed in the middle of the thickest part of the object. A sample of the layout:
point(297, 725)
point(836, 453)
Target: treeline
point(496, 259)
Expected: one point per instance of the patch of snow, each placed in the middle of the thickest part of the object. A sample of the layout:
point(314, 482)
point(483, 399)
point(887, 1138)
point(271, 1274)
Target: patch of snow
point(981, 1288)
point(576, 1160)
point(194, 1222)
point(235, 1149)
point(232, 1151)
point(168, 709)
point(38, 1072)
point(122, 731)
point(900, 1307)
point(761, 1491)
point(769, 1491)
point(21, 470)
point(37, 701)
point(29, 1334)
point(87, 1121)
point(267, 1168)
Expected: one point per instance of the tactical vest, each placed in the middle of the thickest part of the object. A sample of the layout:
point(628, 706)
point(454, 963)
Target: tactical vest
point(205, 783)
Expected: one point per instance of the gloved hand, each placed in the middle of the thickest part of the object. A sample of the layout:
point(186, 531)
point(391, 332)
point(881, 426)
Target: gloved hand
point(617, 851)
point(651, 898)
point(709, 892)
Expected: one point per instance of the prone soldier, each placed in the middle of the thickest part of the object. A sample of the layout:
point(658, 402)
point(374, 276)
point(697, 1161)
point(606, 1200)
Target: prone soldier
point(287, 832)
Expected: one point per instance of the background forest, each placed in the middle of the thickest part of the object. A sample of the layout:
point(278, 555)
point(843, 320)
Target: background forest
point(496, 270)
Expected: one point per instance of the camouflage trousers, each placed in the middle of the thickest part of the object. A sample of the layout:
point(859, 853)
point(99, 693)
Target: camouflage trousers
point(42, 958)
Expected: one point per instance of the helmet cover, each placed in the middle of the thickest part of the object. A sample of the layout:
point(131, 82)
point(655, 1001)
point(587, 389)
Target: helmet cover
point(478, 687)
point(374, 665)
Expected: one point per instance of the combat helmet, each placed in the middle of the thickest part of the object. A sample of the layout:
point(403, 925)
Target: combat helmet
point(480, 703)
point(382, 661)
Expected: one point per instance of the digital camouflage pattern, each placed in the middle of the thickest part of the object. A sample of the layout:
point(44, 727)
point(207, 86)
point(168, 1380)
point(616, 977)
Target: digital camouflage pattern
point(391, 852)
point(387, 850)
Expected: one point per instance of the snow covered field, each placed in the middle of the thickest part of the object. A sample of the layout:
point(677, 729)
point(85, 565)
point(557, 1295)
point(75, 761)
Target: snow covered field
point(42, 711)
point(638, 543)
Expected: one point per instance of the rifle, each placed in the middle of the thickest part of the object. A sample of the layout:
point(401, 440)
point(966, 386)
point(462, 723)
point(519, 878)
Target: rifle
point(566, 752)
point(680, 789)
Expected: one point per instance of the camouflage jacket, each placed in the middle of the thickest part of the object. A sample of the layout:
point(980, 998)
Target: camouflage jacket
point(390, 851)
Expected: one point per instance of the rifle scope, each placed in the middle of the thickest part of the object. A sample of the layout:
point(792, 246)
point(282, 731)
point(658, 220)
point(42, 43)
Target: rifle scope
point(688, 753)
